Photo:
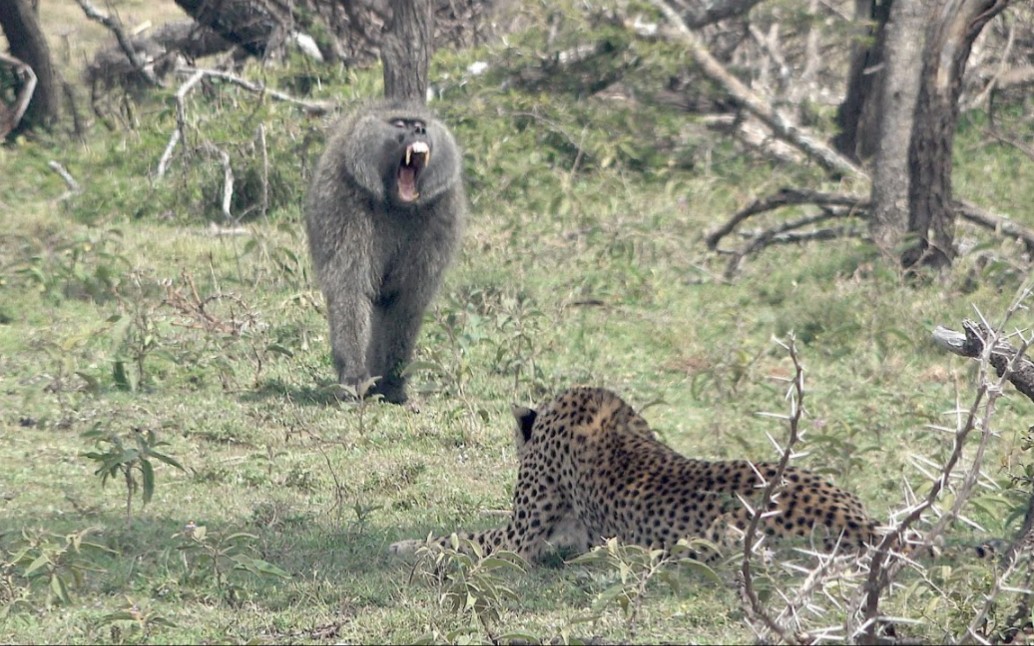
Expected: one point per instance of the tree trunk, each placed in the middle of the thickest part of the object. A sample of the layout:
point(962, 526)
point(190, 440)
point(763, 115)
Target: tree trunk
point(858, 116)
point(20, 24)
point(250, 24)
point(406, 50)
point(952, 29)
point(902, 51)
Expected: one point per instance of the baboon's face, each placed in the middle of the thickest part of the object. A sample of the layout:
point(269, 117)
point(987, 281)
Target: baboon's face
point(406, 158)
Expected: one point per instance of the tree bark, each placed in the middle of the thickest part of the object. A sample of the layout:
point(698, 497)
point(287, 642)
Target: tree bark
point(858, 116)
point(250, 24)
point(20, 24)
point(950, 35)
point(406, 50)
point(902, 60)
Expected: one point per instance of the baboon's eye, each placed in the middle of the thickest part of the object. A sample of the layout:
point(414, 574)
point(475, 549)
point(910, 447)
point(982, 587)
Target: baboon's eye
point(398, 123)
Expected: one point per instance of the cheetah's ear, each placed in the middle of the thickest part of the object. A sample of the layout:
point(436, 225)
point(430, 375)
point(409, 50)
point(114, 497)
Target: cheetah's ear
point(525, 419)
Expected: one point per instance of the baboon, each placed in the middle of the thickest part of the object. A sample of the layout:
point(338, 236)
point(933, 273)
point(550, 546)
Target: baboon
point(384, 215)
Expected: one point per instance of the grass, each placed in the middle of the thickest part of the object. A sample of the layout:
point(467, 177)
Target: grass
point(582, 263)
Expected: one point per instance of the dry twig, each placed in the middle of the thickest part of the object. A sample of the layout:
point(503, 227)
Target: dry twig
point(312, 108)
point(883, 568)
point(73, 186)
point(115, 26)
point(12, 116)
point(795, 395)
point(832, 205)
point(781, 126)
point(194, 308)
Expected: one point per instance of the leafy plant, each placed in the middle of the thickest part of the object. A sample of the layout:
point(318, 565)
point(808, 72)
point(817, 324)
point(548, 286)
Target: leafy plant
point(59, 560)
point(635, 567)
point(210, 556)
point(114, 458)
point(88, 266)
point(142, 622)
point(136, 334)
point(470, 585)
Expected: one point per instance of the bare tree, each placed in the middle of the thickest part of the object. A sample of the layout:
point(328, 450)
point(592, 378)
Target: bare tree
point(891, 105)
point(406, 50)
point(953, 27)
point(858, 114)
point(20, 23)
point(250, 24)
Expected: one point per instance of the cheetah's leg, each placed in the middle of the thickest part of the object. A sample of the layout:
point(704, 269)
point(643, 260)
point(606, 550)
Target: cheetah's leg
point(489, 541)
point(539, 518)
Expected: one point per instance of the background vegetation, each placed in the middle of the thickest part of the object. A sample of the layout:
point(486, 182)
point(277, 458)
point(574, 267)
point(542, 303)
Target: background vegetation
point(174, 467)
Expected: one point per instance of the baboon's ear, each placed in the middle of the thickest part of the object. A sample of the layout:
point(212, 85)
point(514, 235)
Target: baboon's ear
point(525, 419)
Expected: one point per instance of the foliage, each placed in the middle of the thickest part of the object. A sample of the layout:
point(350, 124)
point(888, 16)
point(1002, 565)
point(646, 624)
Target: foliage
point(61, 562)
point(136, 304)
point(210, 556)
point(118, 459)
point(470, 585)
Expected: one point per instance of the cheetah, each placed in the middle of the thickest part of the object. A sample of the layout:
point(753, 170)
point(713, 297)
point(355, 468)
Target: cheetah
point(591, 469)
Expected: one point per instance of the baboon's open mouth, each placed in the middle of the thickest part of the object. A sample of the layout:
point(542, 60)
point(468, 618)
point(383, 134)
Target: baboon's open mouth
point(413, 163)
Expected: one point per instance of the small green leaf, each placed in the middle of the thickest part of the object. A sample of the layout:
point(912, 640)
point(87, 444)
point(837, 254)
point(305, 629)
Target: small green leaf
point(161, 457)
point(147, 472)
point(57, 586)
point(119, 374)
point(40, 561)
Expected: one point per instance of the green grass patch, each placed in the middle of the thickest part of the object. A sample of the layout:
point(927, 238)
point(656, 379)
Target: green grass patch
point(124, 315)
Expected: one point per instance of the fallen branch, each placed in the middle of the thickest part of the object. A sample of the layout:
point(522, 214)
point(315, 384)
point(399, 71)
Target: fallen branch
point(781, 126)
point(11, 117)
point(73, 186)
point(181, 122)
point(785, 234)
point(115, 26)
point(1006, 359)
point(312, 108)
point(834, 205)
point(997, 223)
point(785, 197)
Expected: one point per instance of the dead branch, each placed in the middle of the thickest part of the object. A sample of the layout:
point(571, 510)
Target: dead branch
point(786, 197)
point(73, 186)
point(882, 569)
point(115, 26)
point(12, 116)
point(224, 159)
point(194, 308)
point(795, 396)
point(833, 205)
point(312, 108)
point(786, 233)
point(781, 126)
point(1009, 141)
point(162, 48)
point(971, 343)
point(998, 223)
point(181, 122)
